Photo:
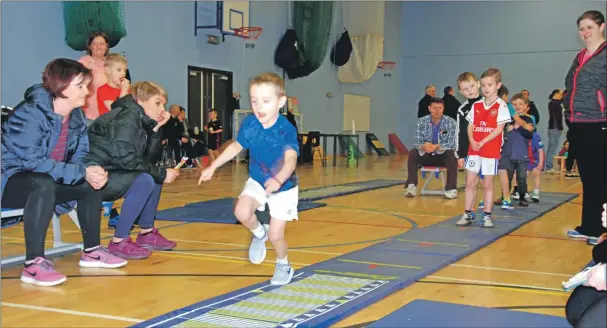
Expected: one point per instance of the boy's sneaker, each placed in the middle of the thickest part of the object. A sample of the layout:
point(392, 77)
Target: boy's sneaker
point(575, 234)
point(481, 204)
point(42, 273)
point(499, 201)
point(282, 275)
point(154, 241)
point(535, 196)
point(101, 258)
point(450, 194)
point(507, 205)
point(527, 197)
point(486, 221)
point(515, 195)
point(466, 219)
point(523, 203)
point(257, 250)
point(127, 249)
point(592, 241)
point(411, 190)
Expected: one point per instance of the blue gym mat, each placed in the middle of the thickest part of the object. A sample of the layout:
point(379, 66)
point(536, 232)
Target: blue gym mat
point(214, 211)
point(329, 291)
point(346, 189)
point(423, 314)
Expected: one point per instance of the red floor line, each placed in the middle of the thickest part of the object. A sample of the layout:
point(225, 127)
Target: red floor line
point(545, 237)
point(360, 224)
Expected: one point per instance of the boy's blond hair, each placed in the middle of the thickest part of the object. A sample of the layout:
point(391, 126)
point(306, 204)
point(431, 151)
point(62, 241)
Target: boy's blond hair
point(466, 77)
point(493, 72)
point(144, 90)
point(113, 59)
point(271, 79)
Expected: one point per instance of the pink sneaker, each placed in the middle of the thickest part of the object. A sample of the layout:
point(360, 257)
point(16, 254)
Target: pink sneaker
point(127, 249)
point(101, 258)
point(155, 241)
point(42, 273)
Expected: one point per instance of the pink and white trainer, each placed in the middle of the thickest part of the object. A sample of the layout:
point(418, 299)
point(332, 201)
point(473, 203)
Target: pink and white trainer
point(42, 273)
point(101, 258)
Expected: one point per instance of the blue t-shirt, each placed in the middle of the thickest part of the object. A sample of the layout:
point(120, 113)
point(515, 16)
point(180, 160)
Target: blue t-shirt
point(267, 148)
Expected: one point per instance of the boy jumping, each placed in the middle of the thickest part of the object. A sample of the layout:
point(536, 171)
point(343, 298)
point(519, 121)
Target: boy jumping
point(273, 150)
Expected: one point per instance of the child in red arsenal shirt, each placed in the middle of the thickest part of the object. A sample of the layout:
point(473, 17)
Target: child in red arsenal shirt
point(487, 118)
point(117, 85)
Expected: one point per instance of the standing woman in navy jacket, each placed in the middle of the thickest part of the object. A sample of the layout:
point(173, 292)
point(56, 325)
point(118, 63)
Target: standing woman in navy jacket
point(45, 168)
point(585, 112)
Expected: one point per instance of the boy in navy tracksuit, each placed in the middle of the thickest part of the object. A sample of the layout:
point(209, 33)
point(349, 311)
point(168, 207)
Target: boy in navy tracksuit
point(516, 147)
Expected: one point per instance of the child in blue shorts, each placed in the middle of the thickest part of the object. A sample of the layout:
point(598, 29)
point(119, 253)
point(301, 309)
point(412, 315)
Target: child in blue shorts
point(273, 150)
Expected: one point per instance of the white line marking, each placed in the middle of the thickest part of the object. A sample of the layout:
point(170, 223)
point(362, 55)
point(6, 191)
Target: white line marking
point(225, 257)
point(486, 282)
point(84, 314)
point(510, 270)
point(574, 185)
point(239, 245)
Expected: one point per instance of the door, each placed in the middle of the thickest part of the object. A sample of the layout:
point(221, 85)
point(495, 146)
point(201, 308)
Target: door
point(222, 91)
point(195, 98)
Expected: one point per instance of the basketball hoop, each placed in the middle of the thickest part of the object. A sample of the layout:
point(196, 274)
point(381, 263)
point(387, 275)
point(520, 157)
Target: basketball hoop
point(387, 66)
point(249, 33)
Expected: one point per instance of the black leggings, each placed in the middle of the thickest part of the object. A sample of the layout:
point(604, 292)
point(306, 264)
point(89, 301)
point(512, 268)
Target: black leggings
point(589, 143)
point(37, 194)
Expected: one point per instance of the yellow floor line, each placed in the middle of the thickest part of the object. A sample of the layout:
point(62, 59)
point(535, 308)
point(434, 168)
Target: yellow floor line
point(431, 242)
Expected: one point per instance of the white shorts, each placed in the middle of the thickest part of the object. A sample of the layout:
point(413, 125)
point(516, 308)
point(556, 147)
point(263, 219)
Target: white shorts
point(283, 205)
point(482, 165)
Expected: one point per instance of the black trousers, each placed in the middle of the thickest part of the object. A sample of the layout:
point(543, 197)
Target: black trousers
point(589, 143)
point(587, 308)
point(520, 167)
point(37, 194)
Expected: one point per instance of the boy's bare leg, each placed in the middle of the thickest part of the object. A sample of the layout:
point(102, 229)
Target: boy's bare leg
point(245, 213)
point(488, 192)
point(471, 182)
point(277, 237)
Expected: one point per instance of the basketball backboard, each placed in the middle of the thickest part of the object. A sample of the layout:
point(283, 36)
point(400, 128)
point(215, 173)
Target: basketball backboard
point(226, 16)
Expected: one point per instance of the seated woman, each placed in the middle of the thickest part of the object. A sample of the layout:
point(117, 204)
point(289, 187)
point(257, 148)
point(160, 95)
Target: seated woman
point(127, 143)
point(587, 305)
point(45, 163)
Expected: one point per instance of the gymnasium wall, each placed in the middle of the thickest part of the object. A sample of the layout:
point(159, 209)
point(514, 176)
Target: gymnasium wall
point(161, 44)
point(532, 43)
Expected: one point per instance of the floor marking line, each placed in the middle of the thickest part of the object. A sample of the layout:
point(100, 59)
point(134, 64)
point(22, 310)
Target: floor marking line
point(242, 245)
point(229, 257)
point(431, 242)
point(358, 275)
point(173, 254)
point(359, 224)
point(72, 312)
point(365, 210)
point(381, 264)
point(510, 270)
point(487, 282)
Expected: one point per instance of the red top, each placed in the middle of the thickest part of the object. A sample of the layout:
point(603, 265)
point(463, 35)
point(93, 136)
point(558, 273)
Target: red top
point(484, 120)
point(58, 152)
point(105, 93)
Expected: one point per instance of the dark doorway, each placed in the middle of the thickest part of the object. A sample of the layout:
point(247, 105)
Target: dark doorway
point(207, 89)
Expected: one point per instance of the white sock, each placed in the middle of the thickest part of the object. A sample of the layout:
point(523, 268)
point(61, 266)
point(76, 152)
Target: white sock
point(537, 191)
point(259, 232)
point(282, 261)
point(91, 249)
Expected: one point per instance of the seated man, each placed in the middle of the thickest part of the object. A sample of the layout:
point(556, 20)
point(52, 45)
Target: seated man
point(435, 137)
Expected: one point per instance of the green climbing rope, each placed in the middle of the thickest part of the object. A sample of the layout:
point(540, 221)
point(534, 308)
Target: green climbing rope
point(81, 18)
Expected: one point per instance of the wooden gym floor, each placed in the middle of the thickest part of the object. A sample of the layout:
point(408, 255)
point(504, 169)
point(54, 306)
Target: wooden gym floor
point(522, 271)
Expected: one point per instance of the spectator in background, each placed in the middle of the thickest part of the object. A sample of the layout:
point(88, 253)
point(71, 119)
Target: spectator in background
point(555, 126)
point(97, 47)
point(45, 169)
point(532, 107)
point(422, 106)
point(451, 103)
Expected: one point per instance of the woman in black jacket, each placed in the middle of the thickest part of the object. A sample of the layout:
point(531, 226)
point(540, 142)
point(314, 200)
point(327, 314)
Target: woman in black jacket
point(126, 142)
point(585, 100)
point(555, 126)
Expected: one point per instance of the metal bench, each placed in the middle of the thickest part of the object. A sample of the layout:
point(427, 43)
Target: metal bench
point(433, 172)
